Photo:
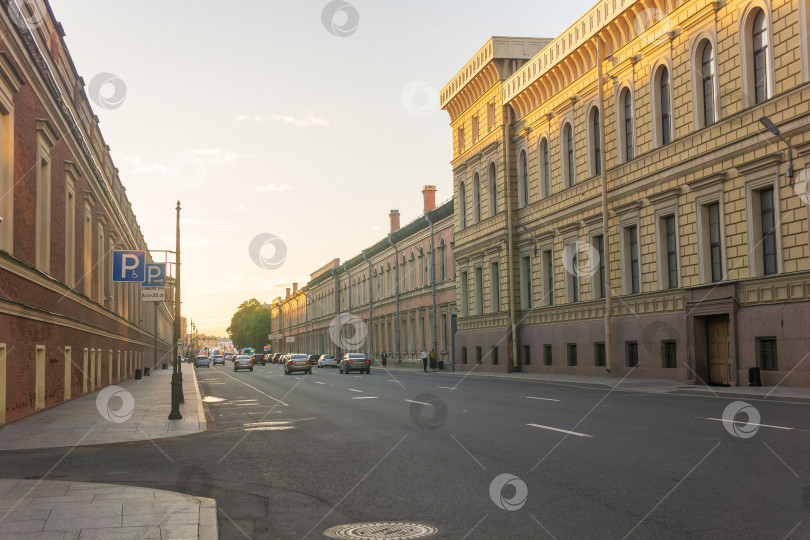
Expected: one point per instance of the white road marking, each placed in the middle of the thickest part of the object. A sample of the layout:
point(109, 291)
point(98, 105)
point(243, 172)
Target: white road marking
point(543, 398)
point(447, 387)
point(353, 390)
point(254, 388)
point(417, 402)
point(365, 397)
point(745, 423)
point(319, 382)
point(560, 430)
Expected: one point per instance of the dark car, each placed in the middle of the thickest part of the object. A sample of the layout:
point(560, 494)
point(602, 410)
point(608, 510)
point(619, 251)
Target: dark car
point(355, 362)
point(242, 362)
point(258, 359)
point(277, 358)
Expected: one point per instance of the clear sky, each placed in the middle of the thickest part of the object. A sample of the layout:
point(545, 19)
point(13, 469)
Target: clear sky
point(260, 120)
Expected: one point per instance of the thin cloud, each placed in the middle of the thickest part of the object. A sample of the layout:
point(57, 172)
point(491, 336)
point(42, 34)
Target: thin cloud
point(276, 188)
point(308, 119)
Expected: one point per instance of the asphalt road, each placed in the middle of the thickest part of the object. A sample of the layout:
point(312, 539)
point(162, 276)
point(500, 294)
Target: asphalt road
point(292, 456)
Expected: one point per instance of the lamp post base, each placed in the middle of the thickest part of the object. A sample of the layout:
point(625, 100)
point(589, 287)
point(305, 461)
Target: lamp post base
point(177, 389)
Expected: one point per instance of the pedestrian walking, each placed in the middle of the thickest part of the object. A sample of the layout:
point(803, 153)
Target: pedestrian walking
point(384, 358)
point(424, 356)
point(433, 360)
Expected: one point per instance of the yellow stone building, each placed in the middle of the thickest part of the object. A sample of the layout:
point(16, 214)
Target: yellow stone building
point(702, 270)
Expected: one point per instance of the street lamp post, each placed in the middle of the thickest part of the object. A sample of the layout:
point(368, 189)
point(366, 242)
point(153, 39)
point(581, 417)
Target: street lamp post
point(177, 375)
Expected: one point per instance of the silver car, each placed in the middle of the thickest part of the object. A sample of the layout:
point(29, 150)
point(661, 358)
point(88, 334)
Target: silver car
point(297, 362)
point(202, 361)
point(242, 362)
point(327, 360)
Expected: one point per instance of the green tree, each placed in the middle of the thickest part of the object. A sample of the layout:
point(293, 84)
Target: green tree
point(250, 325)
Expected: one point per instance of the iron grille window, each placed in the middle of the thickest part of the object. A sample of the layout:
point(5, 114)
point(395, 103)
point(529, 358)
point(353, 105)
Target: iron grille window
point(670, 357)
point(572, 354)
point(767, 354)
point(632, 354)
point(599, 354)
point(547, 359)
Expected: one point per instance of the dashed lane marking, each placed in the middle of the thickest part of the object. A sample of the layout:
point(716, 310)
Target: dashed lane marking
point(541, 398)
point(560, 430)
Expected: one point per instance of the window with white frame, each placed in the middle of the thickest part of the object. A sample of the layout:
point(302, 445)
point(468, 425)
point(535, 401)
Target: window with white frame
point(594, 142)
point(668, 251)
point(464, 295)
point(475, 128)
point(43, 204)
point(598, 278)
point(624, 108)
point(705, 104)
point(630, 256)
point(544, 167)
point(662, 106)
point(479, 290)
point(495, 286)
point(462, 206)
point(570, 252)
point(526, 281)
point(763, 221)
point(88, 249)
point(524, 179)
point(760, 56)
point(7, 164)
point(100, 264)
point(490, 115)
point(70, 230)
point(476, 198)
point(547, 263)
point(442, 261)
point(492, 190)
point(567, 155)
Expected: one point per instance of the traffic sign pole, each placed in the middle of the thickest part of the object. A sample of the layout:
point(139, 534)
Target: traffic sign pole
point(177, 375)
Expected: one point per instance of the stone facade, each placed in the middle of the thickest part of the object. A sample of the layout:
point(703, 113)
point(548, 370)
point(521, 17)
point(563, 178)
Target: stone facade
point(65, 328)
point(702, 269)
point(353, 306)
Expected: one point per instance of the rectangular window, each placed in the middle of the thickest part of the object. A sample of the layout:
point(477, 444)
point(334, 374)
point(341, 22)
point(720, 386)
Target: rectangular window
point(465, 307)
point(715, 255)
point(768, 222)
point(632, 353)
point(464, 355)
point(572, 354)
point(600, 275)
point(460, 140)
point(100, 266)
point(767, 354)
point(572, 279)
point(475, 128)
point(43, 210)
point(547, 359)
point(548, 269)
point(599, 354)
point(527, 355)
point(670, 356)
point(70, 235)
point(443, 331)
point(495, 287)
point(490, 115)
point(526, 282)
point(631, 239)
point(494, 356)
point(672, 252)
point(88, 250)
point(479, 291)
point(479, 355)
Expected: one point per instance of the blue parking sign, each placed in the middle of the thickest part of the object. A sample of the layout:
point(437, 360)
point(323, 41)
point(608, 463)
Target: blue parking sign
point(155, 275)
point(129, 265)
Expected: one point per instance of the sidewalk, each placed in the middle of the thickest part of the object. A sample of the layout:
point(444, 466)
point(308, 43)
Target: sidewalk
point(34, 509)
point(135, 410)
point(630, 384)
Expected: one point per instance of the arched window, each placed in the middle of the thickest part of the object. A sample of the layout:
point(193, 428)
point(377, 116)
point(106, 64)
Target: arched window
point(544, 167)
point(441, 260)
point(595, 142)
point(706, 90)
point(567, 155)
point(524, 179)
point(492, 191)
point(476, 201)
point(403, 274)
point(625, 125)
point(759, 40)
point(462, 206)
point(662, 107)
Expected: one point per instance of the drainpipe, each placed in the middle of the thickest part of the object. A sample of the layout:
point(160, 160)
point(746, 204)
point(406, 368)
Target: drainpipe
point(434, 327)
point(336, 307)
point(396, 280)
point(608, 291)
point(349, 283)
point(507, 115)
point(370, 302)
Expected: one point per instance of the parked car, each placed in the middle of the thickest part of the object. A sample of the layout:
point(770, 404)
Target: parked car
point(268, 358)
point(218, 359)
point(277, 358)
point(258, 359)
point(313, 359)
point(355, 362)
point(202, 361)
point(297, 362)
point(242, 362)
point(327, 360)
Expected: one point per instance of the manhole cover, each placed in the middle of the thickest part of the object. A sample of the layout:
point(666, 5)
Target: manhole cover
point(393, 531)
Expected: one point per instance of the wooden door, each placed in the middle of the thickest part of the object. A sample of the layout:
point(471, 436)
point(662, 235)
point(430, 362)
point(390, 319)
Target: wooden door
point(719, 353)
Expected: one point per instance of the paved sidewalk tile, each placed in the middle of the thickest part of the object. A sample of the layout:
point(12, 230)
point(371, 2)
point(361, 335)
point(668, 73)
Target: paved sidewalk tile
point(45, 510)
point(134, 409)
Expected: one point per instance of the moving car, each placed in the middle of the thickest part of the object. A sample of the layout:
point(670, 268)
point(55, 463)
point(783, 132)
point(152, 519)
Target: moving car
point(202, 361)
point(277, 358)
point(268, 358)
point(297, 362)
point(327, 360)
point(355, 362)
point(258, 359)
point(242, 362)
point(218, 359)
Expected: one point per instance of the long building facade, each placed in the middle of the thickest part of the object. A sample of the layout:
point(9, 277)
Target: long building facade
point(381, 299)
point(622, 206)
point(65, 328)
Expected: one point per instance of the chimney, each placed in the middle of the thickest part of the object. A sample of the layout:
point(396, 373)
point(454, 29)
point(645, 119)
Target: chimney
point(288, 293)
point(394, 215)
point(429, 194)
point(295, 288)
